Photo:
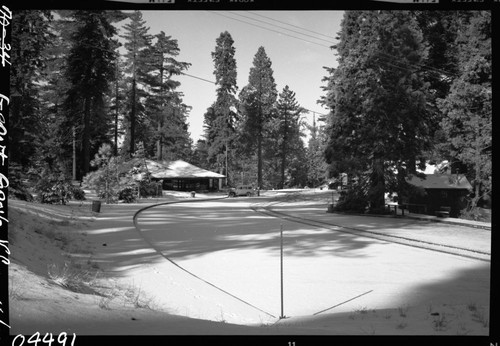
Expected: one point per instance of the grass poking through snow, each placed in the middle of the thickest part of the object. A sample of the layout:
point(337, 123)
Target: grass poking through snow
point(72, 277)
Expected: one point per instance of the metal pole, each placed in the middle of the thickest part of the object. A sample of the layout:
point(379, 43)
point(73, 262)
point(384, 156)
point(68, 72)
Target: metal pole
point(281, 270)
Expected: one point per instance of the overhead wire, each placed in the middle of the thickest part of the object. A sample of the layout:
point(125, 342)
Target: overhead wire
point(387, 56)
point(281, 27)
point(421, 66)
point(182, 73)
point(203, 79)
point(212, 82)
point(262, 27)
point(296, 26)
point(279, 32)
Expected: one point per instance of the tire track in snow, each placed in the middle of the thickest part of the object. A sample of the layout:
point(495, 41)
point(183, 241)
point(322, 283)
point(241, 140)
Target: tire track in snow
point(443, 248)
point(136, 225)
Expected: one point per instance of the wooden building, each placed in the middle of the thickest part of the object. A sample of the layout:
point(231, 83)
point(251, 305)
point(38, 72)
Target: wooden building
point(182, 176)
point(441, 190)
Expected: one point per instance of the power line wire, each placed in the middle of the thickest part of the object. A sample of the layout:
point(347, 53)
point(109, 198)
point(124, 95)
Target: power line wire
point(281, 27)
point(203, 79)
point(421, 66)
point(186, 74)
point(212, 82)
point(279, 32)
point(296, 26)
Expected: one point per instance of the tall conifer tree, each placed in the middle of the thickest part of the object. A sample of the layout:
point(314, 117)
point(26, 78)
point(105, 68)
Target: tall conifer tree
point(90, 69)
point(380, 116)
point(222, 116)
point(164, 104)
point(137, 40)
point(467, 109)
point(258, 99)
point(286, 125)
point(30, 37)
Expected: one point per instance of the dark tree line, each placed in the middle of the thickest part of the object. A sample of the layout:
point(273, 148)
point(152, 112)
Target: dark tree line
point(86, 99)
point(410, 88)
point(73, 92)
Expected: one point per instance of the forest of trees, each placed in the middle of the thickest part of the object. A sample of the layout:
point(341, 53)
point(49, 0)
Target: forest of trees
point(74, 95)
point(409, 88)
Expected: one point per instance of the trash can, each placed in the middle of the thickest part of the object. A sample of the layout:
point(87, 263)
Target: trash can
point(96, 206)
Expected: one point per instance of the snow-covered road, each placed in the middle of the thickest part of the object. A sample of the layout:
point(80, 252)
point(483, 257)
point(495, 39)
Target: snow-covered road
point(237, 250)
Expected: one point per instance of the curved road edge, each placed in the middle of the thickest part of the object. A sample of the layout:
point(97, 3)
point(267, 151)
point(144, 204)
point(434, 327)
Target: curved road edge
point(136, 226)
point(266, 209)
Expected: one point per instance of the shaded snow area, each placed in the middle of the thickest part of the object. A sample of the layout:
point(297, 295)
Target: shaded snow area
point(213, 268)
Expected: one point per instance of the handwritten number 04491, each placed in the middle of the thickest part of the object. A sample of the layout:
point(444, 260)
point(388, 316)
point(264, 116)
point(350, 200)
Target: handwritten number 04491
point(48, 339)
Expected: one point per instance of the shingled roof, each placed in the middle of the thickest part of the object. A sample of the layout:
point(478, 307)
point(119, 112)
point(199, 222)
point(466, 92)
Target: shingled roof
point(180, 170)
point(441, 181)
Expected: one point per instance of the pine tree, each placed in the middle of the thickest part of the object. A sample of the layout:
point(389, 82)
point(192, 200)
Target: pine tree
point(440, 68)
point(210, 136)
point(162, 100)
point(178, 143)
point(30, 37)
point(118, 104)
point(56, 136)
point(287, 130)
point(90, 68)
point(328, 100)
point(467, 123)
point(137, 39)
point(380, 117)
point(224, 117)
point(257, 100)
point(316, 164)
point(200, 154)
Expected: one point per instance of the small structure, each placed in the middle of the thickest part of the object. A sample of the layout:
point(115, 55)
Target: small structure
point(173, 175)
point(442, 192)
point(182, 176)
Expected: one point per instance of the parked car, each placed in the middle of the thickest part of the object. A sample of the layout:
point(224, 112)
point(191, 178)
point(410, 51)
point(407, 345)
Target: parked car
point(242, 190)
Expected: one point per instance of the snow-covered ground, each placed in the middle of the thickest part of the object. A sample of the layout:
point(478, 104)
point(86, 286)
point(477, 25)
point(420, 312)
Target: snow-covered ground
point(213, 268)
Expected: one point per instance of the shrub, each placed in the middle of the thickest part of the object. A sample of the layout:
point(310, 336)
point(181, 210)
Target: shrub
point(104, 183)
point(17, 187)
point(352, 200)
point(127, 195)
point(475, 214)
point(152, 189)
point(53, 189)
point(20, 192)
point(77, 193)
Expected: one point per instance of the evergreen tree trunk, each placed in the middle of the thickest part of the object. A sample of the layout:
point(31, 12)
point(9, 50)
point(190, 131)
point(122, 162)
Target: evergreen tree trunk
point(377, 186)
point(412, 165)
point(132, 118)
point(259, 161)
point(86, 137)
point(159, 147)
point(259, 146)
point(115, 149)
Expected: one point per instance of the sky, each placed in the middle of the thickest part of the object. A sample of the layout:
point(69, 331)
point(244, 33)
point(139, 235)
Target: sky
point(297, 42)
